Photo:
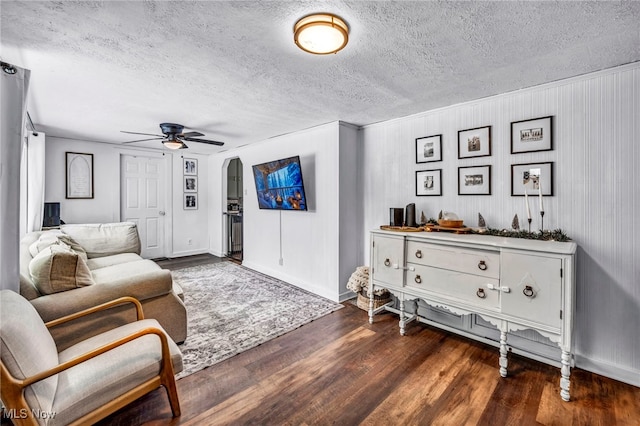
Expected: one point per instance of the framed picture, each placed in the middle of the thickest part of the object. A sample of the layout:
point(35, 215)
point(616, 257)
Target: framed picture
point(79, 175)
point(474, 142)
point(190, 184)
point(474, 180)
point(190, 201)
point(535, 178)
point(190, 166)
point(429, 148)
point(429, 182)
point(531, 135)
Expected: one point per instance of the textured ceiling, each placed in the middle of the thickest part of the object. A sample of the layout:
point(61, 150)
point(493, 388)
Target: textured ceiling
point(231, 70)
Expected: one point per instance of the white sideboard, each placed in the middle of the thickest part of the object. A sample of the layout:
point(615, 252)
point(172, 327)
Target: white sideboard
point(513, 283)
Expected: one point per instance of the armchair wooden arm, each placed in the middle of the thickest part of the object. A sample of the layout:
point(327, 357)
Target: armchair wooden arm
point(101, 307)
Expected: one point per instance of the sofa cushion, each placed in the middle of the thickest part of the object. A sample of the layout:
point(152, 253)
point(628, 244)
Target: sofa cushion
point(131, 270)
point(58, 268)
point(27, 348)
point(116, 259)
point(105, 239)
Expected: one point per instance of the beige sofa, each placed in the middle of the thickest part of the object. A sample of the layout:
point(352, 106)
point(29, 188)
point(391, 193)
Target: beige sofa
point(80, 266)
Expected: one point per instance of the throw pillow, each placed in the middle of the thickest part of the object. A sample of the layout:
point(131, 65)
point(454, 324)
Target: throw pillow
point(45, 240)
point(58, 268)
point(49, 238)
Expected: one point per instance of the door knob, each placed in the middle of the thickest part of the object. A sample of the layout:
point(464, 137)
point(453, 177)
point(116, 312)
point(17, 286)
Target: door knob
point(161, 213)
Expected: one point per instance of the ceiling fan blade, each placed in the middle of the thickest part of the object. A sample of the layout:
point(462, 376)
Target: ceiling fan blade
point(147, 134)
point(184, 146)
point(191, 134)
point(142, 140)
point(204, 141)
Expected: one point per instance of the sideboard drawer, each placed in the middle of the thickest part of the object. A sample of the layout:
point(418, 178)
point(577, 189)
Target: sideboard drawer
point(470, 288)
point(476, 262)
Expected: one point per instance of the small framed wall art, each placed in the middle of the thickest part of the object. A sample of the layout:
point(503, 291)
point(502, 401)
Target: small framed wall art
point(428, 149)
point(190, 201)
point(531, 135)
point(190, 166)
point(474, 142)
point(79, 175)
point(429, 182)
point(535, 178)
point(474, 180)
point(190, 184)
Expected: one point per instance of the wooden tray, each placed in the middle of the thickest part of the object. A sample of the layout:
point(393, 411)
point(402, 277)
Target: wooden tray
point(457, 230)
point(401, 228)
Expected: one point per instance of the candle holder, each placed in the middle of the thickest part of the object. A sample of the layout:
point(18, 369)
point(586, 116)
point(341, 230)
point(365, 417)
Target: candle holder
point(541, 220)
point(529, 220)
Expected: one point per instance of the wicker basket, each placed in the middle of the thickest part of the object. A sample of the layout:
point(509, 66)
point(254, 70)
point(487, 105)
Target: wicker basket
point(378, 300)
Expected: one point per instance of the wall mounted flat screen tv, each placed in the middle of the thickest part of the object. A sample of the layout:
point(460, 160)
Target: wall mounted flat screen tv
point(279, 185)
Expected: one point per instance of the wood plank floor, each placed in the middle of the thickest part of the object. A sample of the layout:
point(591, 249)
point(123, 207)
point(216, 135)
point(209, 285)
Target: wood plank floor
point(339, 370)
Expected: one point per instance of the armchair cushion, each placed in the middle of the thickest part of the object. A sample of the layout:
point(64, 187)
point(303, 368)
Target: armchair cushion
point(93, 383)
point(27, 348)
point(58, 268)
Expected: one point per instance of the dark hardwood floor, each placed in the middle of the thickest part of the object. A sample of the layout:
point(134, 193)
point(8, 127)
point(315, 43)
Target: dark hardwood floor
point(340, 370)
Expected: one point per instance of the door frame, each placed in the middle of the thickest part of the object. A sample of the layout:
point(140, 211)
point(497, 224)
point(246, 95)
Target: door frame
point(223, 222)
point(167, 246)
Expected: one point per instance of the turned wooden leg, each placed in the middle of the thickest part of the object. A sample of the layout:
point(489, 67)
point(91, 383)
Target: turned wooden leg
point(565, 370)
point(402, 322)
point(371, 308)
point(503, 353)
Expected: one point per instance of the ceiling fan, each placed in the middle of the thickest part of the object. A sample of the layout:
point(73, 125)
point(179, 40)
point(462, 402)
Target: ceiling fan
point(173, 138)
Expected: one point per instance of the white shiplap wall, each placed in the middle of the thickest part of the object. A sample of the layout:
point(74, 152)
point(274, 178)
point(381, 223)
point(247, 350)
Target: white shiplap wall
point(596, 155)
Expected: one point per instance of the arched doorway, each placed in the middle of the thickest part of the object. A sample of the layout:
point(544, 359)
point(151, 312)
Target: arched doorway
point(234, 209)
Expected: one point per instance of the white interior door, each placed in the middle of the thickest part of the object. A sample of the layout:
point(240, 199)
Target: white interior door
point(143, 200)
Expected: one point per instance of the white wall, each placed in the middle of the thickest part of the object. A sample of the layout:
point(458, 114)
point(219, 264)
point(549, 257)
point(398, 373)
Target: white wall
point(190, 230)
point(308, 242)
point(105, 206)
point(183, 225)
point(596, 201)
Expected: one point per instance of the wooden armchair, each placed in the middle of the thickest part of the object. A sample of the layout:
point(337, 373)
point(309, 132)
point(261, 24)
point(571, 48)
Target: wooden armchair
point(89, 380)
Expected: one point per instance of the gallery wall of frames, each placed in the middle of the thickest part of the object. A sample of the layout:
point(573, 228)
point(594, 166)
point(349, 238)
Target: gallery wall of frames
point(527, 136)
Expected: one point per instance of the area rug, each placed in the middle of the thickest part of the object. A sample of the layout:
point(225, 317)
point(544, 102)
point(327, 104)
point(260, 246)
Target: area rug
point(231, 308)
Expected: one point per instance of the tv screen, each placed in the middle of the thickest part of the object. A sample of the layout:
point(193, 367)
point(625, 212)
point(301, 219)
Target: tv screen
point(279, 185)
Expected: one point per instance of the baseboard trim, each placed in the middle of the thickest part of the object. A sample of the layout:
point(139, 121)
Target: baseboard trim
point(289, 279)
point(603, 368)
point(217, 254)
point(188, 253)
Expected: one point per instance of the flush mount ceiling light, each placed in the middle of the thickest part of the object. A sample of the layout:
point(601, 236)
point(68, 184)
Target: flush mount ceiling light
point(321, 34)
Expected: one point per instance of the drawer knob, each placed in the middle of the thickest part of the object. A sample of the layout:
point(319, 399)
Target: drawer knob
point(528, 291)
point(418, 279)
point(480, 293)
point(482, 265)
point(419, 254)
point(387, 262)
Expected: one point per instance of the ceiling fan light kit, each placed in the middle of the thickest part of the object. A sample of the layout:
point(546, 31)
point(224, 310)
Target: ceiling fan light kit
point(321, 34)
point(173, 143)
